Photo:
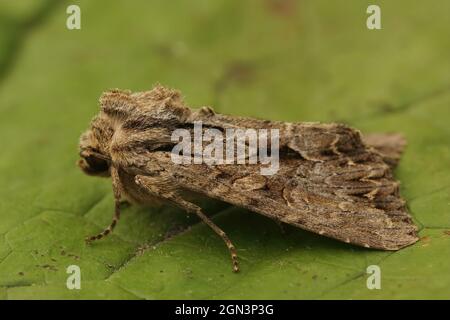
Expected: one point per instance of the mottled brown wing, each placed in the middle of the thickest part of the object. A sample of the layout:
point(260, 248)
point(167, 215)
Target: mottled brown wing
point(329, 181)
point(389, 145)
point(357, 203)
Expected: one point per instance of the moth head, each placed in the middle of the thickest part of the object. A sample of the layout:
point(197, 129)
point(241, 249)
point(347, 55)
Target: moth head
point(92, 160)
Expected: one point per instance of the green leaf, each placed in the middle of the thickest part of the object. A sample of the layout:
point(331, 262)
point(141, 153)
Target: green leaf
point(286, 60)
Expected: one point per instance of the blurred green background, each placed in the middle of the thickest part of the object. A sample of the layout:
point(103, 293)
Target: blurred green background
point(289, 60)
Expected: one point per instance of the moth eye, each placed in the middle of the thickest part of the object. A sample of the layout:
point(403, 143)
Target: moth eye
point(93, 166)
point(97, 164)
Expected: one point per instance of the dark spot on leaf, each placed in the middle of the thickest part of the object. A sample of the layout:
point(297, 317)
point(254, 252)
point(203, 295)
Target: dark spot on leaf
point(73, 256)
point(283, 8)
point(386, 107)
point(236, 72)
point(47, 267)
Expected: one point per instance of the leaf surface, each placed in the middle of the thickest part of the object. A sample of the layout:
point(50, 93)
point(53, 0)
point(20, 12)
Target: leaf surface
point(283, 60)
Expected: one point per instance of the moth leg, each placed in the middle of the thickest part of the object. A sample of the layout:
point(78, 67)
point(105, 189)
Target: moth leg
point(116, 190)
point(156, 186)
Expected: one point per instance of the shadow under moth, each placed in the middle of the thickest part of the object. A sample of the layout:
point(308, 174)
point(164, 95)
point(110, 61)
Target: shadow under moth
point(331, 180)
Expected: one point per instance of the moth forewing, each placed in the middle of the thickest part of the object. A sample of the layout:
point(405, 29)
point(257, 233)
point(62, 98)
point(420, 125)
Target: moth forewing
point(284, 197)
point(325, 178)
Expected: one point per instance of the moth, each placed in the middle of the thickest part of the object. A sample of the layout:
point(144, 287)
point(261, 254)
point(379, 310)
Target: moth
point(331, 179)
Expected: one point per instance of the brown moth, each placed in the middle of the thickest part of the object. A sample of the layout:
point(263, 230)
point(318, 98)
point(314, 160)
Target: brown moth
point(330, 181)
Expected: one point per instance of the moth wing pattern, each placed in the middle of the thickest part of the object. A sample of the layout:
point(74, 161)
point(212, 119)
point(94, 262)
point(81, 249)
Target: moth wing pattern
point(332, 180)
point(314, 202)
point(389, 145)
